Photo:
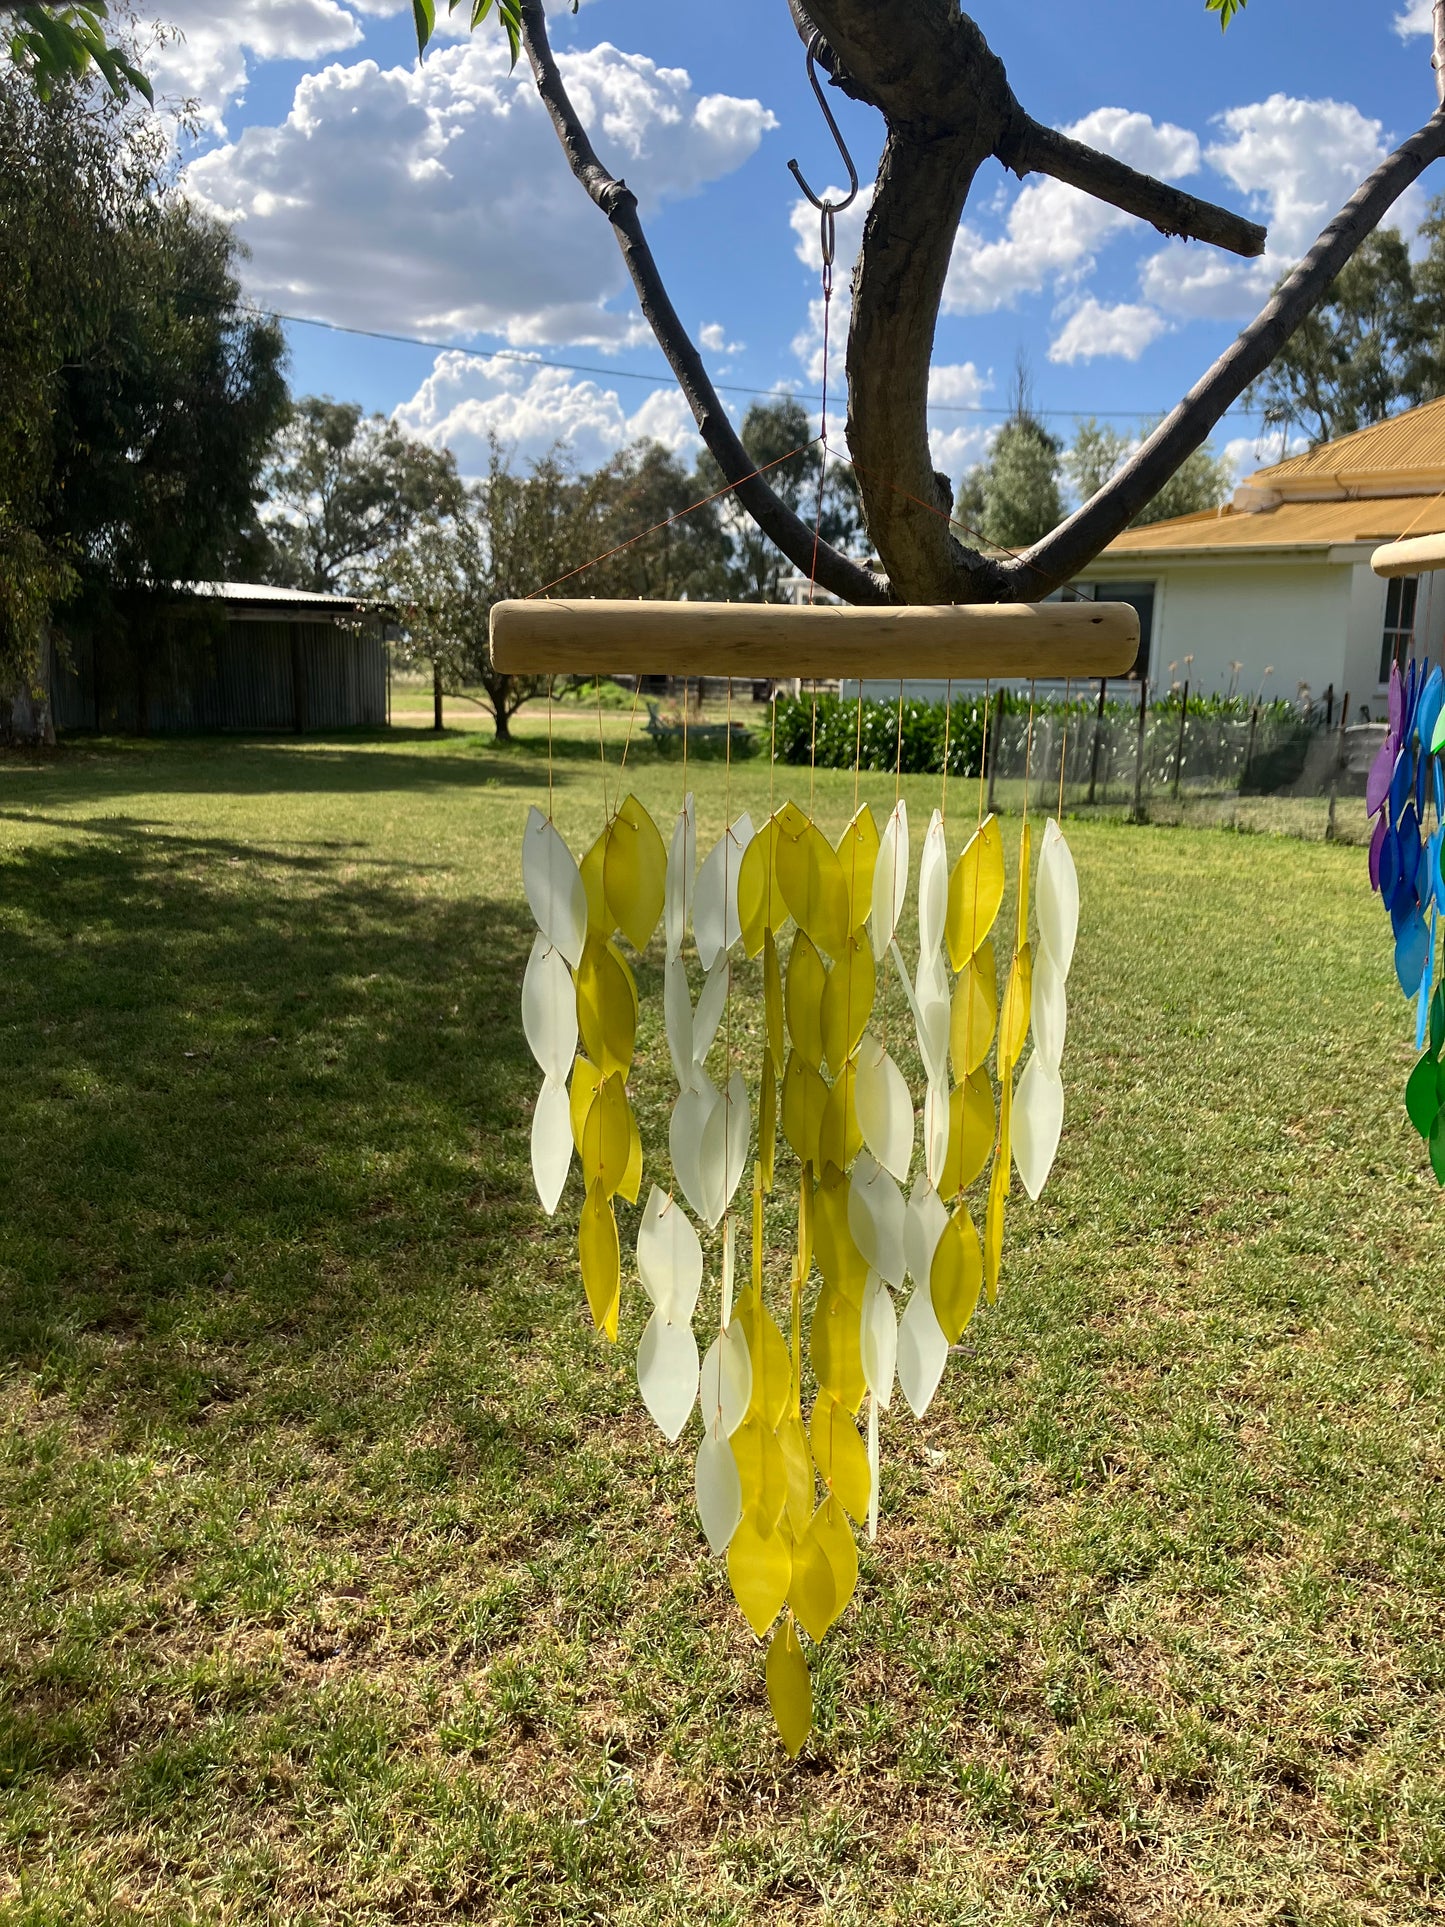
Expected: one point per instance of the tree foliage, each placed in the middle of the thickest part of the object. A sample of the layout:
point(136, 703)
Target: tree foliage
point(58, 45)
point(779, 438)
point(1098, 452)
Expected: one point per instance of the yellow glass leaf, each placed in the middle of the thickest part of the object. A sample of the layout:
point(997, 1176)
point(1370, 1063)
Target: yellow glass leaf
point(635, 872)
point(586, 1082)
point(811, 878)
point(760, 1569)
point(805, 1098)
point(813, 1593)
point(835, 1347)
point(993, 1224)
point(956, 1275)
point(831, 1530)
point(807, 1222)
point(626, 969)
point(798, 1464)
point(773, 1002)
point(807, 981)
point(762, 1470)
point(840, 1136)
point(606, 1011)
point(839, 1259)
point(847, 1000)
point(761, 908)
point(790, 1691)
point(601, 1259)
point(1026, 844)
point(840, 1455)
point(971, 1122)
point(974, 1015)
point(1013, 1022)
point(858, 858)
point(593, 867)
point(772, 1367)
point(768, 1123)
point(607, 1136)
point(632, 1177)
point(975, 891)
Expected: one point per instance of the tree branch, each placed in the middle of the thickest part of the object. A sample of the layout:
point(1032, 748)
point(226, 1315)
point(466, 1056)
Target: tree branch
point(835, 572)
point(1031, 148)
point(1075, 543)
point(1437, 59)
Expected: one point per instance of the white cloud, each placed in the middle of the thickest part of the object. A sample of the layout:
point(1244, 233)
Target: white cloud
point(957, 442)
point(208, 62)
point(714, 337)
point(531, 408)
point(436, 198)
point(1416, 18)
point(1053, 232)
point(1126, 329)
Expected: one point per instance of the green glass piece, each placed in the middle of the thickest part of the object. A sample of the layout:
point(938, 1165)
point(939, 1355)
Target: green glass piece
point(1437, 1019)
point(1437, 1146)
point(1422, 1095)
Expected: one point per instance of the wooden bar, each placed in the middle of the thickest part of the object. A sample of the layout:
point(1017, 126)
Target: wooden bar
point(1417, 555)
point(965, 641)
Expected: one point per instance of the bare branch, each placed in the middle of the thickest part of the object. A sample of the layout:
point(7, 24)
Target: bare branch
point(835, 572)
point(1075, 543)
point(1031, 148)
point(1437, 59)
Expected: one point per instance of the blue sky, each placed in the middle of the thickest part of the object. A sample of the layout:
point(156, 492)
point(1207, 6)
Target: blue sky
point(433, 201)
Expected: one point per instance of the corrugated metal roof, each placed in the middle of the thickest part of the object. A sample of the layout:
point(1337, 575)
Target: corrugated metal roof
point(1412, 444)
point(1293, 525)
point(259, 593)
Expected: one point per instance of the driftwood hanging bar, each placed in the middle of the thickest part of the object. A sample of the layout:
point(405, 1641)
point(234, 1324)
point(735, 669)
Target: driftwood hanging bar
point(1417, 555)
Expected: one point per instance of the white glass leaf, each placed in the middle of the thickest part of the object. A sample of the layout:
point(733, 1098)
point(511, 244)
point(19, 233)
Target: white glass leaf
point(884, 1107)
point(549, 1010)
point(875, 1218)
point(685, 1134)
point(878, 1339)
point(715, 924)
point(551, 1142)
point(719, 1490)
point(554, 886)
point(681, 869)
point(677, 1016)
point(1056, 897)
point(1048, 1015)
point(935, 1130)
point(932, 889)
point(923, 1224)
point(930, 999)
point(922, 1351)
point(1038, 1120)
point(724, 1153)
point(890, 878)
point(711, 1003)
point(729, 1261)
point(667, 1374)
point(727, 1380)
point(669, 1258)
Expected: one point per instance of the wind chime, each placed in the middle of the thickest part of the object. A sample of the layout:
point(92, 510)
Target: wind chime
point(1405, 787)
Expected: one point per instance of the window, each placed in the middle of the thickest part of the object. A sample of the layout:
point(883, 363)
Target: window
point(1399, 622)
point(1140, 597)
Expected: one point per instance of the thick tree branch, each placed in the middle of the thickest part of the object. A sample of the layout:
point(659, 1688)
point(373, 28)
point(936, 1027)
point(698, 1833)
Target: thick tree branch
point(1437, 59)
point(1031, 148)
point(1075, 543)
point(835, 572)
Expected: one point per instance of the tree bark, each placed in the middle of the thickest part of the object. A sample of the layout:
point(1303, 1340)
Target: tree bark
point(1437, 59)
point(437, 722)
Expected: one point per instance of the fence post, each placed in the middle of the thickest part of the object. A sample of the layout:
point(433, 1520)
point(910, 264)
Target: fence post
point(436, 697)
point(1249, 748)
point(1330, 707)
point(1335, 773)
point(1139, 757)
point(1098, 729)
point(1179, 751)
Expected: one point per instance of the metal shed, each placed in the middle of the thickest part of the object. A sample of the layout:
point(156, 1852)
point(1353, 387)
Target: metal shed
point(230, 655)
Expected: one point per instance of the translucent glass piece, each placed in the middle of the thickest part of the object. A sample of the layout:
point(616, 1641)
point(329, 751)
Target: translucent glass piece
point(606, 1006)
point(831, 1529)
point(807, 980)
point(922, 1350)
point(632, 1175)
point(681, 869)
point(847, 1001)
point(586, 1080)
point(773, 1004)
point(858, 858)
point(715, 923)
point(973, 1014)
point(719, 1496)
point(690, 1117)
point(762, 1470)
point(934, 1015)
point(601, 1260)
point(600, 921)
point(635, 872)
point(994, 1223)
point(549, 1010)
point(1377, 783)
point(884, 1106)
point(1038, 1121)
point(971, 1121)
point(1021, 921)
point(724, 1150)
point(839, 1138)
point(1377, 841)
point(1057, 897)
point(876, 1213)
point(677, 1018)
point(835, 1346)
point(936, 1127)
point(923, 1221)
point(771, 1364)
point(805, 1098)
point(669, 1258)
point(840, 1456)
point(761, 908)
point(890, 879)
point(768, 1123)
point(811, 879)
point(1049, 1014)
point(790, 1691)
point(798, 1463)
point(551, 1143)
point(729, 1262)
point(667, 1374)
point(878, 1340)
point(760, 1568)
point(607, 1136)
point(727, 1381)
point(839, 1259)
point(1412, 949)
point(553, 884)
point(813, 1592)
point(1013, 1020)
point(933, 890)
point(975, 891)
point(957, 1275)
point(711, 1003)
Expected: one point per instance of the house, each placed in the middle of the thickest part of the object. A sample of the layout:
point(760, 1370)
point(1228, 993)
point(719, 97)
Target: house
point(228, 655)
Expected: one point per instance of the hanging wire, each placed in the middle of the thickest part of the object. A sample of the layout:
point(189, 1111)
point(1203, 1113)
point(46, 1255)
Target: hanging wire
point(549, 750)
point(983, 752)
point(631, 718)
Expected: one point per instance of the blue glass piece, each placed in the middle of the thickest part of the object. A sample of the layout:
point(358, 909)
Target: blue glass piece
point(1402, 907)
point(1427, 710)
point(1412, 953)
point(1402, 782)
point(1437, 770)
point(1422, 1015)
point(1429, 870)
point(1411, 692)
point(1421, 773)
point(1409, 834)
point(1390, 865)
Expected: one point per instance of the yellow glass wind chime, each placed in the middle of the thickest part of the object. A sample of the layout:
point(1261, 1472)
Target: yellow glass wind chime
point(783, 1472)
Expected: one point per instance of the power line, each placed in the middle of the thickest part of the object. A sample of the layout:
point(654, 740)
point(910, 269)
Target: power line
point(667, 381)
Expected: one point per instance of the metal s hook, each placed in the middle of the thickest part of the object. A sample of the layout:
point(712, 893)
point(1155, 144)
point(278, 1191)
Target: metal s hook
point(829, 210)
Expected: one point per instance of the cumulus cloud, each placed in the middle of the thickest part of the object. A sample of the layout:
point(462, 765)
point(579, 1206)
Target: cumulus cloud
point(1125, 329)
point(1415, 18)
point(714, 337)
point(208, 61)
point(435, 198)
point(957, 442)
point(530, 408)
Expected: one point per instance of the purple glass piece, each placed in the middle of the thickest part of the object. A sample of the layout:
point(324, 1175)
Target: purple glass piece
point(1389, 863)
point(1377, 838)
point(1408, 832)
point(1396, 700)
point(1377, 783)
point(1412, 953)
point(1402, 782)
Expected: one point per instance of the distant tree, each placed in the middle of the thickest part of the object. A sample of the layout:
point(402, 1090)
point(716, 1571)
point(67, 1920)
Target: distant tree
point(642, 488)
point(1098, 452)
point(345, 492)
point(771, 431)
point(1013, 498)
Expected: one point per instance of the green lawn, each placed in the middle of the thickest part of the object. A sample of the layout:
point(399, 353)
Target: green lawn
point(343, 1577)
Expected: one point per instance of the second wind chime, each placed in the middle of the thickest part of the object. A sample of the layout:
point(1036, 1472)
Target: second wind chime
point(887, 1189)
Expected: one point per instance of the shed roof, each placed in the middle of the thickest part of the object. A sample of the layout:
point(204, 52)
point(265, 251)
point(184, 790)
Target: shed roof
point(261, 595)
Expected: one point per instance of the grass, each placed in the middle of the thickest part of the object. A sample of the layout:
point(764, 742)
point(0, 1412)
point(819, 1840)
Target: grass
point(343, 1578)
